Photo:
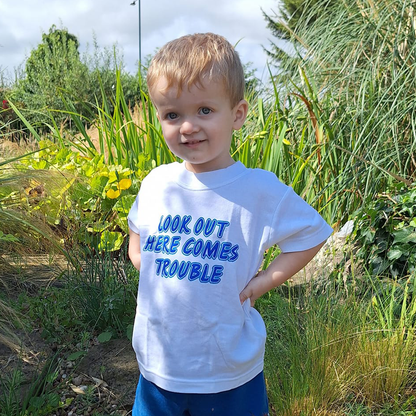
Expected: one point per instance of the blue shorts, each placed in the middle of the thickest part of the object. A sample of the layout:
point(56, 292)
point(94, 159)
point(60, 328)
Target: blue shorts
point(250, 399)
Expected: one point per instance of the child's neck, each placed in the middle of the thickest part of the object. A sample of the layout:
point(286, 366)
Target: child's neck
point(202, 168)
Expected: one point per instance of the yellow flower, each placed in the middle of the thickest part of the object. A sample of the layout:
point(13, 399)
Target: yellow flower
point(113, 194)
point(121, 186)
point(124, 184)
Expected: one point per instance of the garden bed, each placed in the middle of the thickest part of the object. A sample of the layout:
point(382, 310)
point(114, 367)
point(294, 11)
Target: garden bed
point(102, 382)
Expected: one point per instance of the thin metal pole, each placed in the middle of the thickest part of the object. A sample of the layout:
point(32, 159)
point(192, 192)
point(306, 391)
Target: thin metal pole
point(140, 37)
point(133, 3)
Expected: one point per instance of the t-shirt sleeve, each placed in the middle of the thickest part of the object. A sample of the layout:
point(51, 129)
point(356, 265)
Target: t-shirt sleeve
point(296, 225)
point(133, 217)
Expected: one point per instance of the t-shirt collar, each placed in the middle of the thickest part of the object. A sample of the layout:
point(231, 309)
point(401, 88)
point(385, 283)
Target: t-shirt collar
point(209, 180)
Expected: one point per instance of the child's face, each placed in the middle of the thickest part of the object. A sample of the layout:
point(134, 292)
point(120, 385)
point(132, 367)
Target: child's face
point(198, 125)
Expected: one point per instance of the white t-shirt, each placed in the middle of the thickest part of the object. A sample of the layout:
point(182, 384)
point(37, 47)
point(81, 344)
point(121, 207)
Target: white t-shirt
point(202, 239)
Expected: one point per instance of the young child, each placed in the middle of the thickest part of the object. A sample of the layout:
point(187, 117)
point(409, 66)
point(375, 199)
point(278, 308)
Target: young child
point(198, 232)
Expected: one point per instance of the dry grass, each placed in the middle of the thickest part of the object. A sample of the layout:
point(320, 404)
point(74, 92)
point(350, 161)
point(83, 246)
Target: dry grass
point(383, 364)
point(330, 353)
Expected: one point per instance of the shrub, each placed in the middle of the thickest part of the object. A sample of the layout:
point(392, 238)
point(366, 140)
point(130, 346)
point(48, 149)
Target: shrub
point(89, 200)
point(386, 234)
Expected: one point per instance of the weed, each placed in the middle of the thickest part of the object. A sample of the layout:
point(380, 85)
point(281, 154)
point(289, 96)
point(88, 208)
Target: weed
point(105, 293)
point(39, 399)
point(99, 299)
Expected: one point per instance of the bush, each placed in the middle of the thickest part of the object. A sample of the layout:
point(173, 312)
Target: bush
point(55, 71)
point(88, 202)
point(386, 234)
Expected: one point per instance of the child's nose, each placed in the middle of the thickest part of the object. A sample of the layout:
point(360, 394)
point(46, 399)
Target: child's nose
point(188, 127)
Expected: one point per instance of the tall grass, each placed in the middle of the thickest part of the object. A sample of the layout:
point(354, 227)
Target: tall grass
point(357, 84)
point(328, 350)
point(137, 144)
point(284, 137)
point(265, 141)
point(21, 232)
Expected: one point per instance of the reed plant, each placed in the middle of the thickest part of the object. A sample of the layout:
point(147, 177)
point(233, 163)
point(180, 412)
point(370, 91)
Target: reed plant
point(266, 141)
point(355, 78)
point(136, 144)
point(284, 137)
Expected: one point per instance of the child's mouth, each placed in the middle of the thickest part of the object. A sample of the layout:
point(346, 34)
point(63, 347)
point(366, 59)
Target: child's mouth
point(192, 143)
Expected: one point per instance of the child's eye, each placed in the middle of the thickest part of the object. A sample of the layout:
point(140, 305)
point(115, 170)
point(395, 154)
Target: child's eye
point(171, 116)
point(205, 111)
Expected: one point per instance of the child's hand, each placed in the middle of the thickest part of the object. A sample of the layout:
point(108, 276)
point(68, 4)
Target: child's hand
point(283, 267)
point(254, 289)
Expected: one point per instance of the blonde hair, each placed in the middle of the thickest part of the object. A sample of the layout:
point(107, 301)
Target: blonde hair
point(192, 59)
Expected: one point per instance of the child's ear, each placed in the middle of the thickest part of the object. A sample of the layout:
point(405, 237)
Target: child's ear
point(240, 114)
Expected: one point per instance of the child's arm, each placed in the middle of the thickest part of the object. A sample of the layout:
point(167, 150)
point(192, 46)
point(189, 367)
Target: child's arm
point(282, 268)
point(134, 249)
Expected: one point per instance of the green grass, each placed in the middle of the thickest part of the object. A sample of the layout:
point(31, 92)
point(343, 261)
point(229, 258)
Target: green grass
point(329, 351)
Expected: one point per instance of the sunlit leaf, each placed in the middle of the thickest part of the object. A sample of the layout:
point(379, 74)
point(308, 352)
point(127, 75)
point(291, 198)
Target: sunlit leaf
point(112, 177)
point(111, 241)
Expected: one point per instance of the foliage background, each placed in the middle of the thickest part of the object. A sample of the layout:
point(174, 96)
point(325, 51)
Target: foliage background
point(336, 122)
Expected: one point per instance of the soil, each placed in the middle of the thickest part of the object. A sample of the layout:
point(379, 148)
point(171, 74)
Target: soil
point(103, 382)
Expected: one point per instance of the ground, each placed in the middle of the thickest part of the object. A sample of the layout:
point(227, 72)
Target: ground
point(103, 382)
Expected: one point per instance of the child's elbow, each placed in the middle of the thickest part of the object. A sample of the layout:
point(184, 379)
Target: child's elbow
point(135, 258)
point(134, 250)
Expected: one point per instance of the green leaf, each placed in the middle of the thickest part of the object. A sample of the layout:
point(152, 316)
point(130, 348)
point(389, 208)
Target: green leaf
point(37, 402)
point(104, 337)
point(369, 235)
point(75, 355)
point(394, 254)
point(53, 399)
point(405, 235)
point(111, 241)
point(379, 265)
point(8, 237)
point(98, 227)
